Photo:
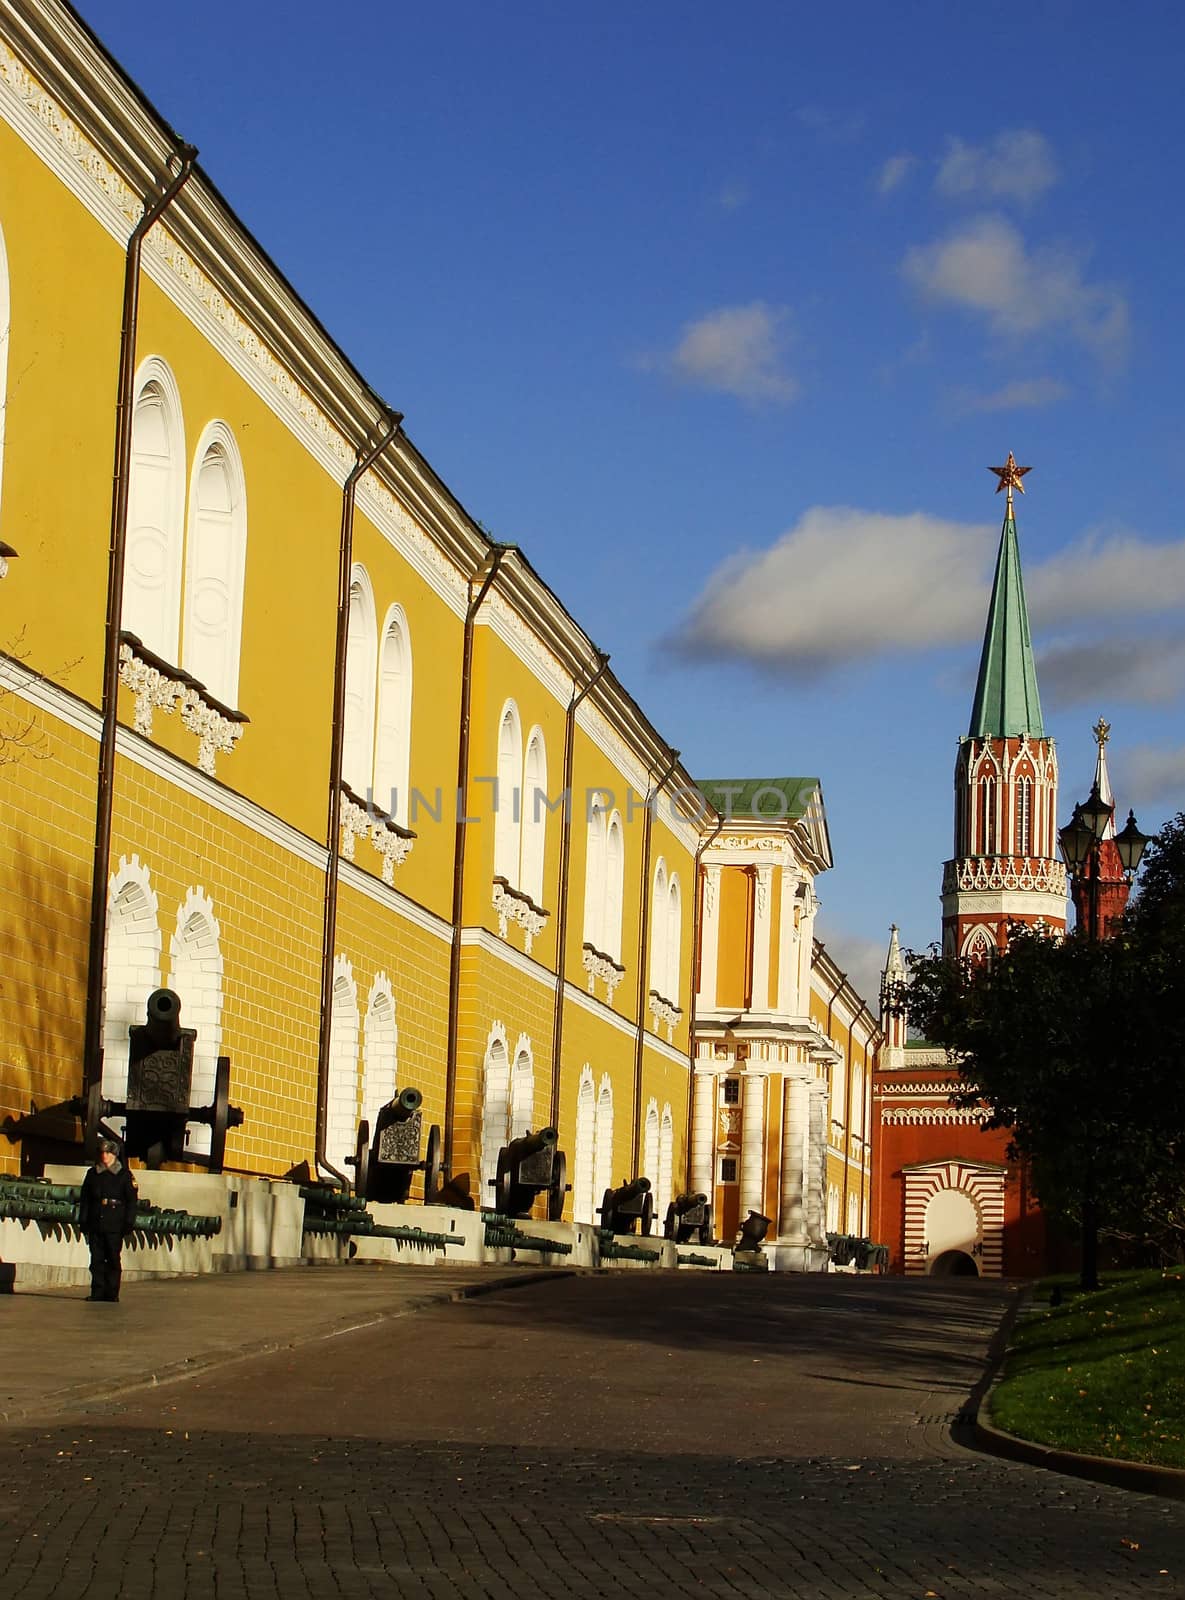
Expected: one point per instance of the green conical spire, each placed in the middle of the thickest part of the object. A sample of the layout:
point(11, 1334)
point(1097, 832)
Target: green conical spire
point(1006, 698)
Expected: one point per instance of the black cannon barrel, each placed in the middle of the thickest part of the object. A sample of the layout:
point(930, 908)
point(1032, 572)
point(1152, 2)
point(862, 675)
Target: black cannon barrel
point(631, 1190)
point(405, 1104)
point(688, 1202)
point(530, 1144)
point(164, 1017)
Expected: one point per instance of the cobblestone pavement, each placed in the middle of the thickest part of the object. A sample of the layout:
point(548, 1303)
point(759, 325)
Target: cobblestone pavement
point(589, 1438)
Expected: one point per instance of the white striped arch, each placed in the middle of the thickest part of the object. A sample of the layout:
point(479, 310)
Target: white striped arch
point(982, 1183)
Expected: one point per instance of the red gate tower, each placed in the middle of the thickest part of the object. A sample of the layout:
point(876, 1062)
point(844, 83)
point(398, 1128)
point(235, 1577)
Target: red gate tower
point(946, 1197)
point(1113, 886)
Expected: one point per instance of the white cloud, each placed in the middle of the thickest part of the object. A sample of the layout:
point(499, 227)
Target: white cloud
point(984, 266)
point(862, 959)
point(1105, 576)
point(1144, 671)
point(1152, 775)
point(845, 585)
point(894, 173)
point(1022, 394)
point(1017, 164)
point(738, 350)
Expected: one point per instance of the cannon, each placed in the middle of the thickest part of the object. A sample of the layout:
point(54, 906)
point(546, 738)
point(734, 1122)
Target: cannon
point(383, 1166)
point(632, 1202)
point(747, 1254)
point(689, 1219)
point(531, 1165)
point(157, 1108)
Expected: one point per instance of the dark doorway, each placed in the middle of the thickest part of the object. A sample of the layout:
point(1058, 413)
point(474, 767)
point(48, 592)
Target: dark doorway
point(954, 1264)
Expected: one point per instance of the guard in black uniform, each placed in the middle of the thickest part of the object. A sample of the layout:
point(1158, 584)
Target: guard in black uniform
point(106, 1215)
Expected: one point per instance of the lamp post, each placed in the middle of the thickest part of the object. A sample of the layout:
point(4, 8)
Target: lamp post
point(1081, 845)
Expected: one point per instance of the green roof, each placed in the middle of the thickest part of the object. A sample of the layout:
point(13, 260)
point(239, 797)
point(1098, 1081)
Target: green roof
point(765, 799)
point(1006, 699)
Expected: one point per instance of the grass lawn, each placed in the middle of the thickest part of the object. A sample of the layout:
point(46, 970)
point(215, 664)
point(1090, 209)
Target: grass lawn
point(1104, 1374)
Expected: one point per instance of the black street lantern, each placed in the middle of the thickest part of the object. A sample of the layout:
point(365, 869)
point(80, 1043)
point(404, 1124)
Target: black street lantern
point(1130, 843)
point(1077, 840)
point(1096, 812)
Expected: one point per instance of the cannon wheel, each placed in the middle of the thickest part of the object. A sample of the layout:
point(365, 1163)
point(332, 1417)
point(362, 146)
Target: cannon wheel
point(606, 1209)
point(559, 1187)
point(220, 1114)
point(502, 1184)
point(362, 1159)
point(647, 1215)
point(433, 1166)
point(670, 1228)
point(705, 1232)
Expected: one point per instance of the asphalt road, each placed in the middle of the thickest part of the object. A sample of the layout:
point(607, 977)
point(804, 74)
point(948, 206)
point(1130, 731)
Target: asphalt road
point(628, 1434)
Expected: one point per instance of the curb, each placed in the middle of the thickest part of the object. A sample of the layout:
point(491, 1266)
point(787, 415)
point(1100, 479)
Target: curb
point(175, 1372)
point(1140, 1476)
point(978, 1434)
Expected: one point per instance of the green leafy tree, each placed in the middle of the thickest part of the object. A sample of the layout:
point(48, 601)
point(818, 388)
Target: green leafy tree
point(1078, 1048)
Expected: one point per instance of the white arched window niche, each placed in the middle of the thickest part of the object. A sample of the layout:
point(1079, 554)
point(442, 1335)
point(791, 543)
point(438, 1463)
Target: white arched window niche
point(392, 760)
point(659, 926)
point(583, 1174)
point(595, 873)
point(522, 1090)
point(674, 939)
point(533, 848)
point(215, 561)
point(380, 1039)
point(195, 973)
point(341, 1121)
point(603, 1141)
point(666, 1163)
point(508, 795)
point(650, 1146)
point(495, 1109)
point(361, 653)
point(132, 966)
point(151, 605)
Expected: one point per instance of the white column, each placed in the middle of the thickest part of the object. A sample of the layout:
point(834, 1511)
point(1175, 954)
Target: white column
point(817, 1163)
point(709, 936)
point(795, 1124)
point(753, 1145)
point(806, 940)
point(703, 1133)
point(762, 918)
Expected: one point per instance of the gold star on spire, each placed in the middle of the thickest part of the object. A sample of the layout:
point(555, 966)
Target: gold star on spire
point(1010, 475)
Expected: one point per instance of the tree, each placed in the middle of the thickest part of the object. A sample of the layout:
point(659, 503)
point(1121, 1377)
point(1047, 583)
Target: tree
point(1075, 1047)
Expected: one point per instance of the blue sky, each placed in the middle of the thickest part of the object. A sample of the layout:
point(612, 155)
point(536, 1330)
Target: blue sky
point(723, 317)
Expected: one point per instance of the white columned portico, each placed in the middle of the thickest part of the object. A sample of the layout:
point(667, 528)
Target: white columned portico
point(792, 1234)
point(816, 1165)
point(709, 936)
point(703, 1133)
point(753, 1145)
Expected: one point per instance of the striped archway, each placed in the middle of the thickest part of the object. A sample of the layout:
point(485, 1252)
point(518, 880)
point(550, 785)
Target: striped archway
point(982, 1184)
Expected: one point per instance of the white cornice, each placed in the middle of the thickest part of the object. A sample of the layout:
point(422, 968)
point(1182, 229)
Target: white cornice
point(601, 1011)
point(489, 944)
point(391, 900)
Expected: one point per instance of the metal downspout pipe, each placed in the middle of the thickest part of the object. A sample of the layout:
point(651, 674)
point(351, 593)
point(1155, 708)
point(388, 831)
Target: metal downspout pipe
point(561, 950)
point(364, 459)
point(183, 158)
point(486, 573)
point(696, 936)
point(643, 938)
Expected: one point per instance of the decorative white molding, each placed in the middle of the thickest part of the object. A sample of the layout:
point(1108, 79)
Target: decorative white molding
point(154, 690)
point(598, 965)
point(1004, 872)
point(926, 1116)
point(512, 906)
point(764, 843)
point(392, 843)
point(764, 879)
point(665, 1013)
point(489, 944)
point(215, 730)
